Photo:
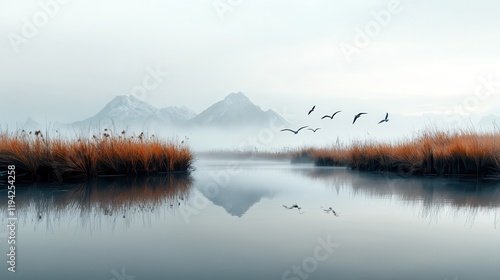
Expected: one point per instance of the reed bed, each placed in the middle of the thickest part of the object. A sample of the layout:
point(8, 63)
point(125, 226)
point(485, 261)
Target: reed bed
point(334, 156)
point(40, 158)
point(243, 154)
point(461, 153)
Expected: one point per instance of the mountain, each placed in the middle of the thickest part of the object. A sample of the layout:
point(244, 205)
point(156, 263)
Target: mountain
point(489, 122)
point(125, 107)
point(126, 111)
point(237, 202)
point(176, 115)
point(236, 110)
point(31, 125)
point(129, 113)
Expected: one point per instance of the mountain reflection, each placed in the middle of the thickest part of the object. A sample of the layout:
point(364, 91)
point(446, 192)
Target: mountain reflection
point(237, 201)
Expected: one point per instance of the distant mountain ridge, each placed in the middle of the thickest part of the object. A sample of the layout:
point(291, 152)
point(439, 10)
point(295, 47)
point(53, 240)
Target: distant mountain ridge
point(236, 110)
point(490, 121)
point(31, 124)
point(126, 111)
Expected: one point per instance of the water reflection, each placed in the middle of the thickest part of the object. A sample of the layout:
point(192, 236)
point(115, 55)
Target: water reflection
point(115, 197)
point(430, 191)
point(236, 202)
point(430, 196)
point(124, 198)
point(243, 232)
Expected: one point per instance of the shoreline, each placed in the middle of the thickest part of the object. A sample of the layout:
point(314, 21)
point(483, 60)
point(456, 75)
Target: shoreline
point(56, 160)
point(463, 154)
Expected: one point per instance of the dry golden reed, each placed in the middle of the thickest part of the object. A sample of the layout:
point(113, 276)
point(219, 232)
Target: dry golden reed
point(39, 158)
point(431, 153)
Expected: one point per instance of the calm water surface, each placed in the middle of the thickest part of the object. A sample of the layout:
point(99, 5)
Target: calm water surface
point(226, 220)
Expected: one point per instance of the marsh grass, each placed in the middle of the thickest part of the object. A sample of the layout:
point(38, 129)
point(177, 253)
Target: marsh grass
point(37, 157)
point(250, 154)
point(333, 156)
point(461, 153)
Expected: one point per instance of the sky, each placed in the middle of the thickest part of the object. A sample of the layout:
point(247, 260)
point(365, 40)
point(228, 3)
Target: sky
point(64, 60)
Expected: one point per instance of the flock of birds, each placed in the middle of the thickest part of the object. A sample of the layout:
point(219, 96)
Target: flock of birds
point(356, 117)
point(327, 210)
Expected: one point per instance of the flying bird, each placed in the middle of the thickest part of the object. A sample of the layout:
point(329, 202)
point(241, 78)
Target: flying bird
point(294, 131)
point(331, 117)
point(330, 210)
point(385, 120)
point(293, 206)
point(314, 130)
point(310, 111)
point(357, 116)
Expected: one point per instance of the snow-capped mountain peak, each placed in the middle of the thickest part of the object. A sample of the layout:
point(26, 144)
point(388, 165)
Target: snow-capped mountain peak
point(235, 110)
point(125, 106)
point(126, 111)
point(236, 98)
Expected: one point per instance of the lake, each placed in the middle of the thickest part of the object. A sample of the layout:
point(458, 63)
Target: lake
point(227, 220)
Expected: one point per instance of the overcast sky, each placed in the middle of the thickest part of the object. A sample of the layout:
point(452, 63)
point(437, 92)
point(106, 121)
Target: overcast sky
point(64, 62)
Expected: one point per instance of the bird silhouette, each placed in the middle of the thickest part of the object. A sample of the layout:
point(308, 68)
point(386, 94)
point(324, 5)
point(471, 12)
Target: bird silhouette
point(294, 206)
point(385, 120)
point(314, 130)
point(357, 116)
point(310, 111)
point(294, 131)
point(331, 117)
point(330, 210)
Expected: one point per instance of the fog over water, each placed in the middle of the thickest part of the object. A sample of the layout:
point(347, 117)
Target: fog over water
point(409, 58)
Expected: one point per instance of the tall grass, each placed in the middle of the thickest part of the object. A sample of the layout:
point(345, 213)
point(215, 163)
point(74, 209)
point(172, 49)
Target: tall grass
point(243, 154)
point(38, 158)
point(430, 153)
